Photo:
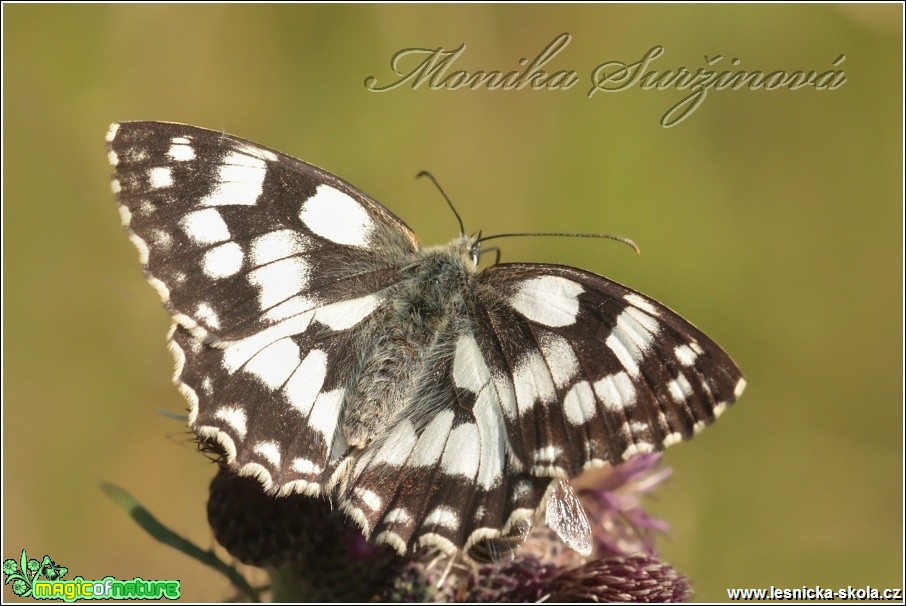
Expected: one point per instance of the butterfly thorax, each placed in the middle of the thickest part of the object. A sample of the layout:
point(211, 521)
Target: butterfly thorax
point(423, 308)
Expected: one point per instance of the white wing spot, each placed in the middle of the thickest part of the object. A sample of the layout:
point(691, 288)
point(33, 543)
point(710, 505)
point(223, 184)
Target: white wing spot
point(637, 448)
point(270, 451)
point(111, 132)
point(234, 417)
point(240, 352)
point(719, 409)
point(627, 357)
point(469, 369)
point(291, 307)
point(398, 516)
point(685, 355)
point(443, 516)
point(222, 261)
point(533, 382)
point(368, 497)
point(522, 490)
point(161, 239)
point(579, 405)
point(306, 382)
point(306, 466)
point(641, 303)
point(274, 364)
point(115, 186)
point(740, 387)
point(337, 217)
point(561, 359)
point(181, 150)
point(632, 337)
point(205, 227)
point(146, 208)
point(278, 281)
point(680, 389)
point(492, 437)
point(506, 395)
point(160, 177)
point(462, 452)
point(160, 287)
point(207, 314)
point(326, 412)
point(113, 158)
point(400, 444)
point(346, 314)
point(547, 454)
point(672, 438)
point(616, 391)
point(276, 245)
point(240, 181)
point(548, 300)
point(635, 429)
point(430, 444)
point(143, 252)
point(125, 215)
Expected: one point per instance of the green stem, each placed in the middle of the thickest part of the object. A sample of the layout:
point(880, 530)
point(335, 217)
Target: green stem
point(163, 534)
point(288, 586)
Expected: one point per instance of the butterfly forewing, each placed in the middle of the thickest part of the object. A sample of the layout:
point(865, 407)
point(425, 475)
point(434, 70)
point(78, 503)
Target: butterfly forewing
point(273, 271)
point(236, 237)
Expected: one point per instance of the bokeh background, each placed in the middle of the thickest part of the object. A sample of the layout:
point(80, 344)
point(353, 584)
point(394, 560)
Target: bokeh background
point(773, 220)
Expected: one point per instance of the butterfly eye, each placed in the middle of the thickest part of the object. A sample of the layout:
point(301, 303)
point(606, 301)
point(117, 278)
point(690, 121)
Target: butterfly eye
point(474, 254)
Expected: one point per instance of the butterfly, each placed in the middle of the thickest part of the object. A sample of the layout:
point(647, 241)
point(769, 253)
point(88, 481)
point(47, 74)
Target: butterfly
point(324, 351)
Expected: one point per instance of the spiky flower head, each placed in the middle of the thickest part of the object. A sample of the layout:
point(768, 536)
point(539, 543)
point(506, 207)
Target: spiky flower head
point(613, 497)
point(313, 552)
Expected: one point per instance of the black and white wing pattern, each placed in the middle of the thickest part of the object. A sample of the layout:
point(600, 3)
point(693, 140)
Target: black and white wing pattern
point(600, 372)
point(323, 351)
point(271, 269)
point(556, 370)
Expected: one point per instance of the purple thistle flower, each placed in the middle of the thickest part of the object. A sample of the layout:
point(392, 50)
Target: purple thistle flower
point(313, 552)
point(526, 578)
point(613, 496)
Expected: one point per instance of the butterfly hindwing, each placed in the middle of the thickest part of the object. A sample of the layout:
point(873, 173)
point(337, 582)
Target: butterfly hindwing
point(441, 476)
point(599, 372)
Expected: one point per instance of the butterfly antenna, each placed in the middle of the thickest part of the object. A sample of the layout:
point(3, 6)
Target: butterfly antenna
point(424, 173)
point(626, 241)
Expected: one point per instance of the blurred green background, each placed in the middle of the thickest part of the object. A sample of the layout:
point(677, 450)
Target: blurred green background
point(772, 220)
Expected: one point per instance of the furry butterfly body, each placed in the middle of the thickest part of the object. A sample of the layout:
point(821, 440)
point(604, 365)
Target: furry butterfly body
point(324, 351)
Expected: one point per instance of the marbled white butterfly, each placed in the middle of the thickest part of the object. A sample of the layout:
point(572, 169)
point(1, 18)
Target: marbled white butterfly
point(324, 351)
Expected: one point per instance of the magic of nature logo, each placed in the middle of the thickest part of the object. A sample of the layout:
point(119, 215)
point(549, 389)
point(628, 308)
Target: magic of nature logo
point(44, 580)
